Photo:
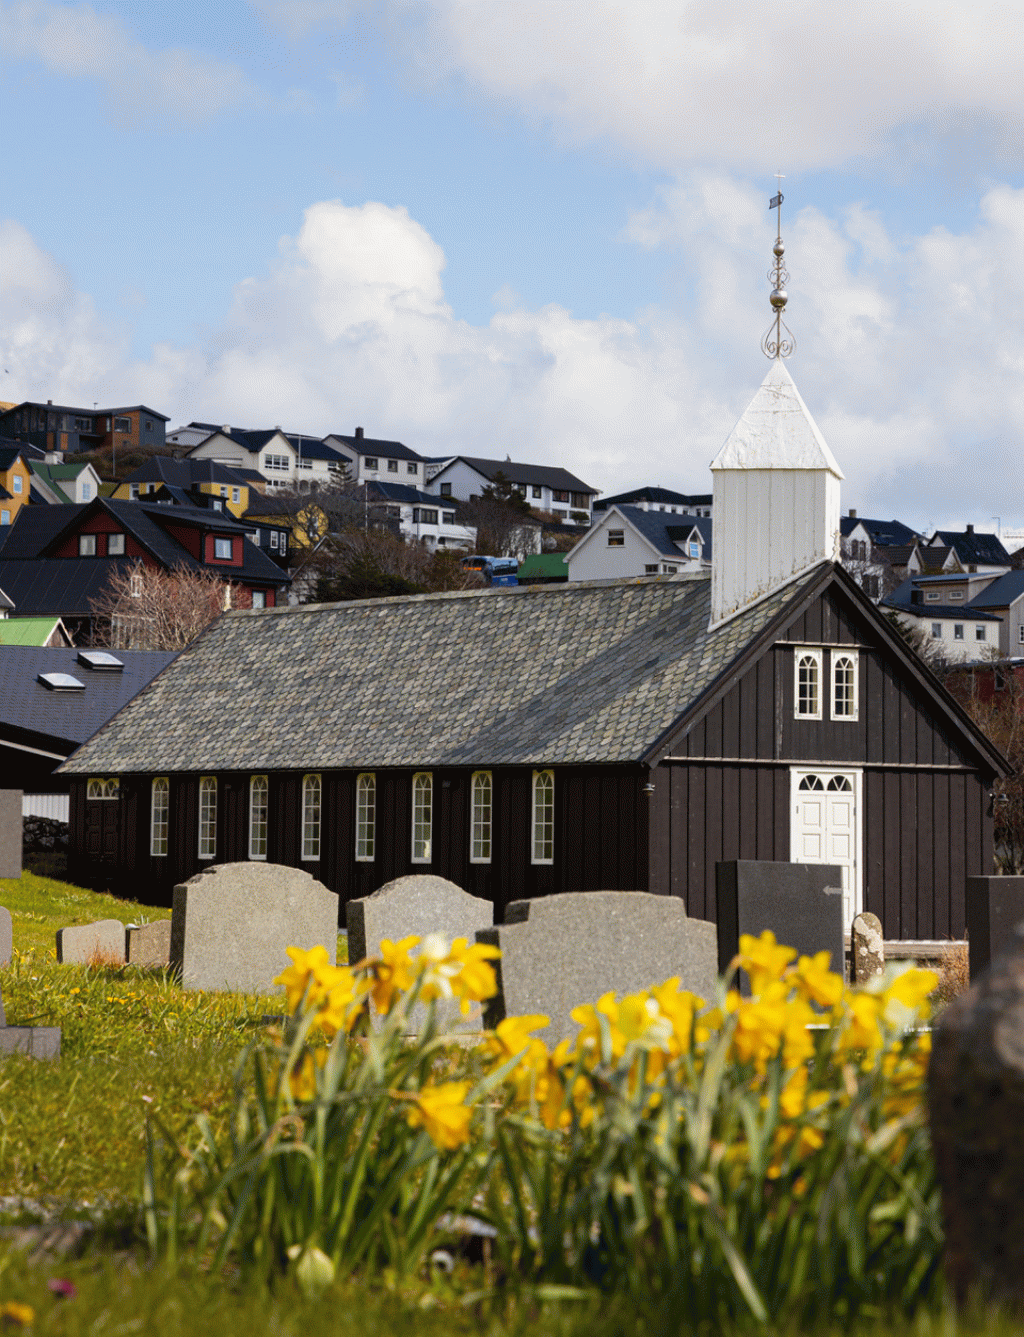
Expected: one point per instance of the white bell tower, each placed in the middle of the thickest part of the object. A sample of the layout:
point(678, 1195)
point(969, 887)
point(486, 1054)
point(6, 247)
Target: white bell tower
point(775, 483)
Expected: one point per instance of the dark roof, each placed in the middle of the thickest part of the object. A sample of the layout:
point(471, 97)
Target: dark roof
point(312, 448)
point(8, 454)
point(68, 718)
point(5, 495)
point(883, 532)
point(85, 412)
point(663, 530)
point(933, 556)
point(35, 527)
point(277, 503)
point(900, 599)
point(63, 586)
point(365, 445)
point(250, 439)
point(1002, 592)
point(410, 496)
point(184, 473)
point(654, 494)
point(974, 548)
point(541, 474)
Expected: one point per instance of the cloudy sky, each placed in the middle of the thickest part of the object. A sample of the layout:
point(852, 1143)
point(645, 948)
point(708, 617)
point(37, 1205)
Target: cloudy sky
point(535, 228)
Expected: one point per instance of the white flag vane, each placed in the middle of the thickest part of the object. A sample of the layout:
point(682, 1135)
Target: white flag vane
point(776, 344)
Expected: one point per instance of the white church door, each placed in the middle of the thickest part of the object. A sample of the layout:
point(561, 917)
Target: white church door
point(826, 828)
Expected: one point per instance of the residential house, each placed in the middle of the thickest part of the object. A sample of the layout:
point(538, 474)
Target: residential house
point(36, 631)
point(633, 541)
point(59, 559)
point(195, 479)
point(545, 487)
point(283, 459)
point(420, 517)
point(53, 699)
point(15, 483)
point(61, 427)
point(375, 461)
point(983, 553)
point(659, 499)
point(61, 484)
point(877, 553)
point(626, 734)
point(968, 618)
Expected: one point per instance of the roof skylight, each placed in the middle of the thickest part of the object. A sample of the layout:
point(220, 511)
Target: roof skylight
point(100, 659)
point(61, 682)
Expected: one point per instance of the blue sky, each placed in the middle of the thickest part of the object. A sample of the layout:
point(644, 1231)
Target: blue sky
point(538, 228)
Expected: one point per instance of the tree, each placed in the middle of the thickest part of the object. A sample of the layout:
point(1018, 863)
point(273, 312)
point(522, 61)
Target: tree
point(376, 564)
point(148, 608)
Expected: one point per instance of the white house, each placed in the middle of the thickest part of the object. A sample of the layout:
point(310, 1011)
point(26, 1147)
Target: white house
point(630, 541)
point(62, 483)
point(285, 459)
point(545, 487)
point(375, 461)
point(421, 517)
point(660, 499)
point(966, 617)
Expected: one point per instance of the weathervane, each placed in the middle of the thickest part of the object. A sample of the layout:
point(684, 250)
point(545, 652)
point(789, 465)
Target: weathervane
point(775, 344)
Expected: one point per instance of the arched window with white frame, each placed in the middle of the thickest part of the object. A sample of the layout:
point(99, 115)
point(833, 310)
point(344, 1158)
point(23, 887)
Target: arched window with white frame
point(480, 818)
point(259, 806)
point(159, 812)
point(807, 684)
point(543, 823)
point(422, 816)
point(311, 790)
point(208, 817)
point(844, 684)
point(366, 817)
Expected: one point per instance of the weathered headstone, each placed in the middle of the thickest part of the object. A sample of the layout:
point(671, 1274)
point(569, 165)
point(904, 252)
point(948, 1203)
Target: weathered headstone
point(36, 1041)
point(560, 951)
point(99, 943)
point(231, 924)
point(801, 903)
point(10, 832)
point(149, 944)
point(868, 947)
point(994, 908)
point(976, 1110)
point(419, 904)
point(6, 936)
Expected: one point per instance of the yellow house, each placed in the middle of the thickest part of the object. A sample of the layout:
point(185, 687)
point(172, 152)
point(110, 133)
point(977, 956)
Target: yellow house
point(307, 521)
point(188, 476)
point(15, 480)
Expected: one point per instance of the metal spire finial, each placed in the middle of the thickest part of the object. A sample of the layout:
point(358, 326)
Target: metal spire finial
point(775, 344)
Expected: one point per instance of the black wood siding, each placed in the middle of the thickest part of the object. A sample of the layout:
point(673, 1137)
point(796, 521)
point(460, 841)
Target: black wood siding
point(925, 815)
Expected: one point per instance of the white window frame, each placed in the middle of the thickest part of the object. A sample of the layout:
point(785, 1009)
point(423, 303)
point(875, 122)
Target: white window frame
point(616, 538)
point(958, 631)
point(542, 818)
point(422, 816)
point(100, 788)
point(800, 655)
point(980, 631)
point(218, 550)
point(312, 813)
point(366, 817)
point(480, 815)
point(837, 658)
point(115, 543)
point(87, 545)
point(208, 817)
point(18, 484)
point(159, 816)
point(258, 784)
point(937, 631)
point(1020, 634)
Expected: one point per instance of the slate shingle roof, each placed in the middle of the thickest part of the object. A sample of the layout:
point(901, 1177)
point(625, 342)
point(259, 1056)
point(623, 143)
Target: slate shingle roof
point(541, 675)
point(68, 718)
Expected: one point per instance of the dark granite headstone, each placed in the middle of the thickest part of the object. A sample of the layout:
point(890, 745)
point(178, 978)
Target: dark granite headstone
point(802, 904)
point(560, 951)
point(10, 832)
point(995, 906)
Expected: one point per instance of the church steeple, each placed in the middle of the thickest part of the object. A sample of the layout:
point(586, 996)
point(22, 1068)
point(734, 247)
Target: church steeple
point(776, 484)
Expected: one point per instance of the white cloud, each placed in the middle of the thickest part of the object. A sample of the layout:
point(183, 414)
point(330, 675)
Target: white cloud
point(910, 354)
point(175, 84)
point(739, 83)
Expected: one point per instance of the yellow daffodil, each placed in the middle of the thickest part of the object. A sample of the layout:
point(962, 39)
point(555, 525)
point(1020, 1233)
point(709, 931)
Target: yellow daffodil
point(16, 1314)
point(905, 998)
point(441, 1112)
point(302, 1078)
point(763, 959)
point(681, 1008)
point(392, 972)
point(813, 980)
point(475, 980)
point(589, 1038)
point(512, 1037)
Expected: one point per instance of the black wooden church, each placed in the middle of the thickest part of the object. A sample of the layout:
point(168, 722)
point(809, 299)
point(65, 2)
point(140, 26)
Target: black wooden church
point(624, 734)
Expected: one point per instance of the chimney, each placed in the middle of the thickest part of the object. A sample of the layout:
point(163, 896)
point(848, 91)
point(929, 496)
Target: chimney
point(359, 434)
point(853, 515)
point(776, 499)
point(50, 402)
point(226, 430)
point(970, 529)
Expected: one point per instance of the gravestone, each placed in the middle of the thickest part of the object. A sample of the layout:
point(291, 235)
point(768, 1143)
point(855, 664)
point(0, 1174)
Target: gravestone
point(976, 1109)
point(148, 944)
point(6, 936)
point(868, 947)
point(10, 832)
point(36, 1041)
point(802, 904)
point(994, 908)
point(231, 924)
point(563, 950)
point(101, 942)
point(420, 904)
